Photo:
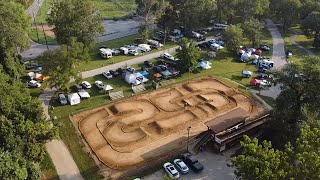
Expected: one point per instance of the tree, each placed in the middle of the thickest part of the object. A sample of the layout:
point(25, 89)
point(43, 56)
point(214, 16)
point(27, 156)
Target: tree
point(188, 54)
point(252, 8)
point(295, 162)
point(12, 166)
point(252, 29)
point(14, 25)
point(226, 10)
point(63, 67)
point(75, 19)
point(287, 11)
point(233, 38)
point(311, 27)
point(300, 86)
point(150, 11)
point(23, 129)
point(308, 6)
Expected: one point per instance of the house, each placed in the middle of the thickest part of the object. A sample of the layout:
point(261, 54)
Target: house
point(74, 99)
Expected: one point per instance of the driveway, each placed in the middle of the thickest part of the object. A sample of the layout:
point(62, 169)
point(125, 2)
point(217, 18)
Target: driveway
point(278, 57)
point(215, 167)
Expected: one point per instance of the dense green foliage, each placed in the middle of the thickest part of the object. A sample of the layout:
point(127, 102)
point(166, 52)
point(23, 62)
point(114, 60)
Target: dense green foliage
point(300, 87)
point(23, 129)
point(252, 29)
point(150, 11)
point(14, 25)
point(75, 19)
point(60, 65)
point(189, 54)
point(261, 161)
point(233, 38)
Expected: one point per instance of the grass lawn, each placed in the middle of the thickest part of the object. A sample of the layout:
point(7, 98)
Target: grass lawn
point(307, 42)
point(43, 12)
point(48, 170)
point(115, 9)
point(34, 34)
point(268, 100)
point(97, 61)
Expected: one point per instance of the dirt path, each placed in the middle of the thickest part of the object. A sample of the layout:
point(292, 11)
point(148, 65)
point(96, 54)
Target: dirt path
point(278, 56)
point(293, 41)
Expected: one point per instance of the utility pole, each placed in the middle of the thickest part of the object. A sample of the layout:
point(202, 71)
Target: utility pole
point(188, 129)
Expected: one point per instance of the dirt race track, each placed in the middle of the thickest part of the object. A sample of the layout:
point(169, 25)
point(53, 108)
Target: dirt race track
point(139, 129)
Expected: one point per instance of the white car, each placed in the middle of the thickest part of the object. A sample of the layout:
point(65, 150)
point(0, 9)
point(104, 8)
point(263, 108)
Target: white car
point(181, 166)
point(107, 74)
point(171, 170)
point(62, 99)
point(133, 52)
point(99, 84)
point(34, 83)
point(168, 56)
point(86, 84)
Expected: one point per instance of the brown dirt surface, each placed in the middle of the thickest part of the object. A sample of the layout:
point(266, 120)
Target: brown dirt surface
point(138, 130)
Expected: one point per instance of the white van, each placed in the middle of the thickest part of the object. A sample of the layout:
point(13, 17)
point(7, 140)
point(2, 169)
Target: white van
point(105, 53)
point(145, 47)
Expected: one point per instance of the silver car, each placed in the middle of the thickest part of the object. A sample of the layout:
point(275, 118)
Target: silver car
point(181, 166)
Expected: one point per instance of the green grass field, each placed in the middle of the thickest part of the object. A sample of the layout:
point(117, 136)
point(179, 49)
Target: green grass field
point(115, 9)
point(48, 169)
point(34, 34)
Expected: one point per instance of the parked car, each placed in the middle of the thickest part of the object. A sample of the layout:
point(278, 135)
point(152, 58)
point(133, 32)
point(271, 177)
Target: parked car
point(264, 47)
point(171, 170)
point(86, 84)
point(157, 69)
point(246, 74)
point(148, 63)
point(99, 84)
point(133, 52)
point(78, 87)
point(62, 99)
point(263, 76)
point(145, 47)
point(33, 83)
point(31, 65)
point(192, 162)
point(181, 166)
point(114, 73)
point(168, 56)
point(107, 74)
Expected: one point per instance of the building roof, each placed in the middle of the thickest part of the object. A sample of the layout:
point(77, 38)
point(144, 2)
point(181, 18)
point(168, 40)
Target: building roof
point(227, 120)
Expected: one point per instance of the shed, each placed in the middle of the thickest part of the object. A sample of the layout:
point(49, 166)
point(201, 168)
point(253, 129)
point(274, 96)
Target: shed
point(74, 99)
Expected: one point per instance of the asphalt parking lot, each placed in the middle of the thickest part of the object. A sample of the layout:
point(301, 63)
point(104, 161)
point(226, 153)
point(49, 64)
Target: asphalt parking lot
point(215, 168)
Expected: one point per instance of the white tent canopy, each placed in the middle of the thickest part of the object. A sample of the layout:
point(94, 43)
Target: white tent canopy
point(74, 99)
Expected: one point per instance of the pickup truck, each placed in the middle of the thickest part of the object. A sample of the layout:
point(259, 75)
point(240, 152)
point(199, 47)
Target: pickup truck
point(192, 162)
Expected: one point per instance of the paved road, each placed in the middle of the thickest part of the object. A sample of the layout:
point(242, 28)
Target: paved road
point(278, 57)
point(136, 60)
point(215, 168)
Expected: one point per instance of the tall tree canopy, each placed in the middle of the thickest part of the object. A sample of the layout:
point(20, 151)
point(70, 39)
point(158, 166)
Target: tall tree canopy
point(311, 27)
point(287, 11)
point(233, 38)
point(226, 10)
point(300, 86)
point(189, 54)
point(60, 65)
point(75, 18)
point(253, 30)
point(14, 24)
point(150, 11)
point(261, 161)
point(252, 8)
point(23, 128)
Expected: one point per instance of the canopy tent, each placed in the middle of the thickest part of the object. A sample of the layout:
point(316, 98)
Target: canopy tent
point(204, 64)
point(74, 99)
point(245, 56)
point(107, 88)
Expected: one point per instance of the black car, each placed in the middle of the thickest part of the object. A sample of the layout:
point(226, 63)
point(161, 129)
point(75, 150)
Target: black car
point(31, 66)
point(148, 63)
point(157, 69)
point(204, 45)
point(192, 162)
point(114, 73)
point(120, 70)
point(163, 67)
point(201, 38)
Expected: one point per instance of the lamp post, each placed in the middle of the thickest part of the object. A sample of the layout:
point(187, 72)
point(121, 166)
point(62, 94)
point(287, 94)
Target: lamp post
point(189, 128)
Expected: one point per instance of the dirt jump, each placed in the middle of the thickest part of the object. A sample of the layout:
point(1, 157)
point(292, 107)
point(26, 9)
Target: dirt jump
point(139, 129)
